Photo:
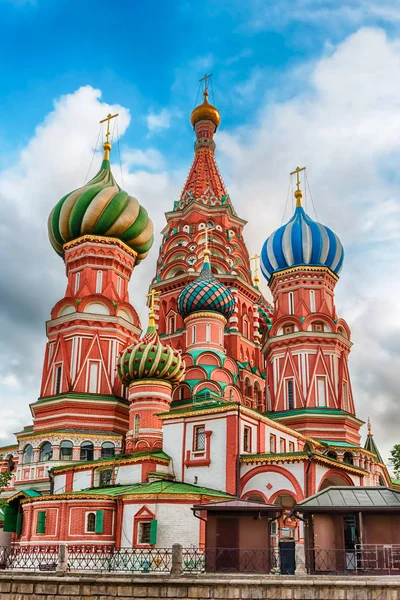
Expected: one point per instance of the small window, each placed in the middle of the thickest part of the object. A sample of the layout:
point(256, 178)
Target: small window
point(66, 450)
point(46, 452)
point(291, 303)
point(119, 281)
point(199, 438)
point(289, 394)
point(247, 439)
point(272, 443)
point(245, 328)
point(105, 478)
point(77, 282)
point(348, 458)
point(208, 332)
point(99, 282)
point(91, 522)
point(321, 392)
point(194, 334)
point(291, 446)
point(312, 301)
point(27, 455)
point(220, 336)
point(332, 454)
point(41, 522)
point(87, 451)
point(282, 446)
point(107, 450)
point(172, 324)
point(93, 387)
point(144, 532)
point(136, 429)
point(57, 380)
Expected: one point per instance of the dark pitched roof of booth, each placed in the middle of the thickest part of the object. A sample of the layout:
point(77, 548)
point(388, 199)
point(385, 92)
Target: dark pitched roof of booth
point(238, 505)
point(344, 498)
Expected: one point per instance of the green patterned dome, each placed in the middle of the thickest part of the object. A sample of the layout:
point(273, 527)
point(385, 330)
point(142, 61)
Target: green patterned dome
point(101, 207)
point(150, 359)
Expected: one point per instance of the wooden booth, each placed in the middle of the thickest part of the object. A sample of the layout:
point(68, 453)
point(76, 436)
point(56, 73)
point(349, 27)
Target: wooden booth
point(238, 535)
point(352, 529)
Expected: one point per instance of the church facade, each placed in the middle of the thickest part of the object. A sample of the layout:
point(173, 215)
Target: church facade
point(225, 396)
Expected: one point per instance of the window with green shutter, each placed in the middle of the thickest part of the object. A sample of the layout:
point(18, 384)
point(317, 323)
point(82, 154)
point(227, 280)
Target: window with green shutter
point(10, 517)
point(18, 527)
point(99, 521)
point(153, 532)
point(41, 521)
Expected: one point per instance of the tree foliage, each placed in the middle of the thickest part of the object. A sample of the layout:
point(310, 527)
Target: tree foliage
point(395, 459)
point(4, 481)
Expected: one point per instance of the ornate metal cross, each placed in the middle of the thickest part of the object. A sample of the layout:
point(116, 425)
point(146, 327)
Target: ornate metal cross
point(108, 119)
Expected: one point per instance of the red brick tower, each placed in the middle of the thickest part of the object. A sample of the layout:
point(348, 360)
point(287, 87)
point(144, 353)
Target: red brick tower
point(205, 204)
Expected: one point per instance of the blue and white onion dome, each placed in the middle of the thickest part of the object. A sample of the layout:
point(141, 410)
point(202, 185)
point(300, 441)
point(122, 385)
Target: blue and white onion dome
point(301, 241)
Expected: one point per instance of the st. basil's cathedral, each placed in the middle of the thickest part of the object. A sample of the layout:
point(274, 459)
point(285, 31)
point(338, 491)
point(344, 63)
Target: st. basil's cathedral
point(226, 395)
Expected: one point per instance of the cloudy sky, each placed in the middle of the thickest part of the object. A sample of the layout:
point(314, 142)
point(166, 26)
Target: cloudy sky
point(308, 82)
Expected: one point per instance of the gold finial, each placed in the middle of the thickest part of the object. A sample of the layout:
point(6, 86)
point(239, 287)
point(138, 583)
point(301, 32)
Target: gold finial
point(205, 111)
point(152, 315)
point(298, 193)
point(207, 252)
point(107, 144)
point(256, 278)
point(205, 80)
point(369, 427)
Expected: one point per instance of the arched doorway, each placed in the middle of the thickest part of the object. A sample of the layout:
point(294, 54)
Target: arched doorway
point(333, 478)
point(286, 525)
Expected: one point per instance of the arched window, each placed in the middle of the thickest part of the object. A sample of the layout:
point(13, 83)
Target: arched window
point(28, 454)
point(172, 324)
point(193, 334)
point(245, 327)
point(312, 301)
point(257, 394)
point(107, 450)
point(208, 332)
point(87, 451)
point(119, 281)
point(91, 522)
point(247, 387)
point(332, 454)
point(66, 450)
point(46, 452)
point(381, 481)
point(348, 458)
point(289, 394)
point(77, 282)
point(105, 478)
point(136, 427)
point(10, 464)
point(99, 282)
point(291, 303)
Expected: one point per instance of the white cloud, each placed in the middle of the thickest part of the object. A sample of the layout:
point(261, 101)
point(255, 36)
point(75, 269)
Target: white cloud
point(344, 124)
point(157, 122)
point(151, 158)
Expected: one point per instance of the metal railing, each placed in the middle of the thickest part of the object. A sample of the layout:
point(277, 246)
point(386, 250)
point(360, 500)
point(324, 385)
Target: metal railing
point(35, 558)
point(362, 559)
point(230, 560)
point(106, 558)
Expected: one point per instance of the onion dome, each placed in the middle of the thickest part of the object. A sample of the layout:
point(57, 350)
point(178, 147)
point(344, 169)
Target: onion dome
point(205, 293)
point(301, 241)
point(150, 359)
point(101, 207)
point(205, 112)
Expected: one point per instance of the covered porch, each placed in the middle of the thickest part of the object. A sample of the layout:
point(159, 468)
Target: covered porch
point(352, 530)
point(238, 535)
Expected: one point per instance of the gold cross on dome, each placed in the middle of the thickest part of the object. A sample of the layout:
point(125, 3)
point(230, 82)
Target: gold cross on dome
point(152, 295)
point(256, 277)
point(205, 80)
point(108, 119)
point(297, 171)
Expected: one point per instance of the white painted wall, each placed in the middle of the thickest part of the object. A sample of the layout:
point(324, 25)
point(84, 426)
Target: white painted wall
point(172, 445)
point(214, 475)
point(176, 524)
point(260, 481)
point(82, 480)
point(128, 474)
point(59, 483)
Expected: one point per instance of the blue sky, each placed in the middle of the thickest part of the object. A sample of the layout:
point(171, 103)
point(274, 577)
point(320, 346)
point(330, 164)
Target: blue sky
point(310, 82)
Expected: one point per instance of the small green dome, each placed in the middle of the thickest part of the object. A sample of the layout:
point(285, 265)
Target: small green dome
point(150, 359)
point(100, 207)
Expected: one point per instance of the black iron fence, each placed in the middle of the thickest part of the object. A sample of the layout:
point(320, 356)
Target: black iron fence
point(362, 559)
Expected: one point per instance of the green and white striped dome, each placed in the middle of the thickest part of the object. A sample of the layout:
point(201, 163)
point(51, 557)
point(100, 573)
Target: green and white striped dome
point(150, 359)
point(101, 207)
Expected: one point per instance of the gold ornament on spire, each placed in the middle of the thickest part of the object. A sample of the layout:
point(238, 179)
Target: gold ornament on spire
point(205, 111)
point(207, 252)
point(369, 427)
point(107, 144)
point(256, 278)
point(298, 193)
point(152, 314)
